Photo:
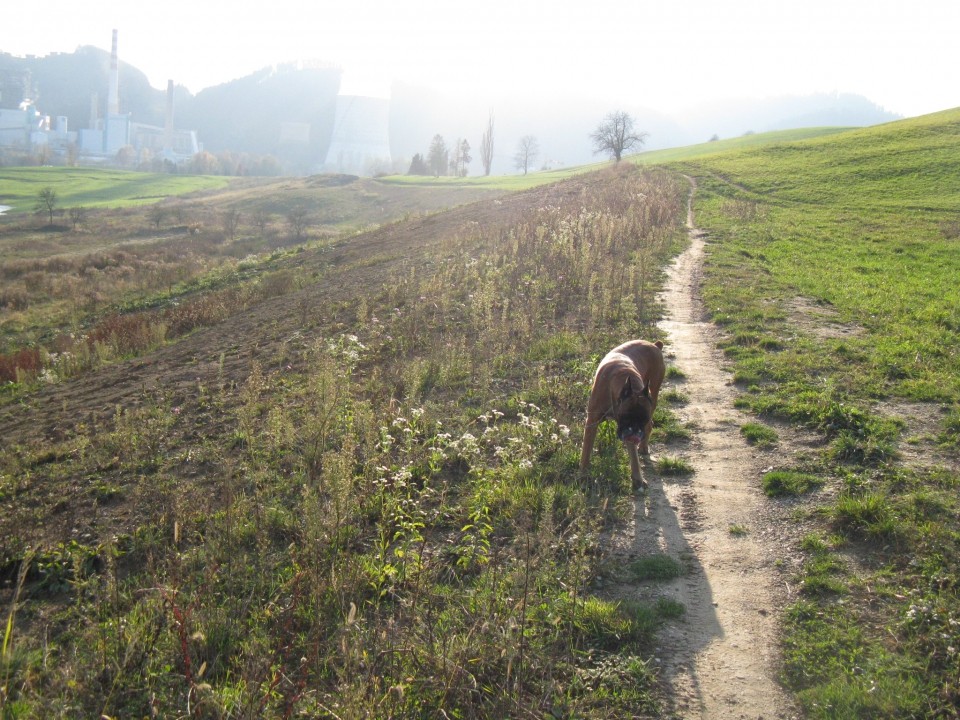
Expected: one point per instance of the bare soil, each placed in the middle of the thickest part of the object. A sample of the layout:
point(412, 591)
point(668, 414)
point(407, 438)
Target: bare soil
point(273, 335)
point(721, 659)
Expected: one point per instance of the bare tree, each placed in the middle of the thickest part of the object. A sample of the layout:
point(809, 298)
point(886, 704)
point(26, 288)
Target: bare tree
point(261, 218)
point(527, 151)
point(157, 214)
point(231, 221)
point(78, 214)
point(47, 201)
point(615, 135)
point(297, 217)
point(486, 146)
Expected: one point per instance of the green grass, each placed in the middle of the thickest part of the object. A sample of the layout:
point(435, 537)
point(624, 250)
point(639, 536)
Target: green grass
point(832, 270)
point(655, 567)
point(702, 150)
point(759, 434)
point(96, 187)
point(779, 483)
point(667, 465)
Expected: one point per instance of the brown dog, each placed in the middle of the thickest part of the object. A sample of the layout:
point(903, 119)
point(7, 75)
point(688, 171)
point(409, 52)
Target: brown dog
point(625, 389)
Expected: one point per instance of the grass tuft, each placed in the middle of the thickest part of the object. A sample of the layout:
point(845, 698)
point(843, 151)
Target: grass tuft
point(656, 567)
point(674, 466)
point(780, 483)
point(758, 434)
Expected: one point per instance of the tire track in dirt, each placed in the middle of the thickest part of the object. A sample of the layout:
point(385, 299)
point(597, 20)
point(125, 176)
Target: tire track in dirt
point(720, 660)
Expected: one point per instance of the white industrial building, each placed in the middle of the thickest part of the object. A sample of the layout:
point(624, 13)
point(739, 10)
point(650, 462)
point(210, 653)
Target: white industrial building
point(28, 129)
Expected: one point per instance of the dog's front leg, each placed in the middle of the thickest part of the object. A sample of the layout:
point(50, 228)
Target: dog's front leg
point(589, 436)
point(635, 474)
point(645, 442)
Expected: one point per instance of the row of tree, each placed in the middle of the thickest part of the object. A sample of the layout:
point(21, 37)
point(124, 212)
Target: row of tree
point(615, 136)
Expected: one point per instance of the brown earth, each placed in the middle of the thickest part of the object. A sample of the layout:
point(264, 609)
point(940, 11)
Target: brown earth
point(272, 335)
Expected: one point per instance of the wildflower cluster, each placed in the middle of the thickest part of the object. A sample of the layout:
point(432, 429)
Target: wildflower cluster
point(348, 349)
point(934, 619)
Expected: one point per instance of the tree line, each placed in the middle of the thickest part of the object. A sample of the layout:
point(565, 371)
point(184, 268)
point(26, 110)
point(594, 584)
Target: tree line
point(615, 136)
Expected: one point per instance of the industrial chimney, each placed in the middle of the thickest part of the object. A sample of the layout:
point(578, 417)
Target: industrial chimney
point(113, 96)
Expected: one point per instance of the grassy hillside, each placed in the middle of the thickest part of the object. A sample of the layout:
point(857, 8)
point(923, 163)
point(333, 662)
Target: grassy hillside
point(337, 477)
point(833, 268)
point(354, 496)
point(728, 145)
point(653, 157)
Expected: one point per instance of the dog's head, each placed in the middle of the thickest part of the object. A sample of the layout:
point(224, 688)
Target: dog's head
point(633, 410)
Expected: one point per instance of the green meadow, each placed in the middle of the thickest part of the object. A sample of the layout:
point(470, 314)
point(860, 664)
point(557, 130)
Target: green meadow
point(833, 268)
point(96, 187)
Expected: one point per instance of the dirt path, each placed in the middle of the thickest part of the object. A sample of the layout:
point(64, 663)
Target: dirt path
point(720, 660)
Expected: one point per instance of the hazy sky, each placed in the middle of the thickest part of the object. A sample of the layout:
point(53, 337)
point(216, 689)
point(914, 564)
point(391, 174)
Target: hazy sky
point(667, 55)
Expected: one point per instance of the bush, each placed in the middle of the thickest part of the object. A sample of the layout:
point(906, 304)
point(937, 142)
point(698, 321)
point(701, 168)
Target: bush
point(20, 365)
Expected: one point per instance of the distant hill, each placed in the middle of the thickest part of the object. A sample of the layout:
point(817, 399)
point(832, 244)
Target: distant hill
point(64, 83)
point(732, 118)
point(286, 111)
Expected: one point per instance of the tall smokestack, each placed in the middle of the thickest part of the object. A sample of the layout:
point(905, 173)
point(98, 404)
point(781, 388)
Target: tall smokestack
point(113, 97)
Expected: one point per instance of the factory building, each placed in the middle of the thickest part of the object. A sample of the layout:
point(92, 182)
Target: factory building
point(106, 136)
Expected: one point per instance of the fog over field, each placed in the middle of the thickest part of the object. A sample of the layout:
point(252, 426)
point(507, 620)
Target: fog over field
point(665, 56)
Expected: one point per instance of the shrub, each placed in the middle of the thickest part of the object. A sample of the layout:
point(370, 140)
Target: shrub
point(20, 365)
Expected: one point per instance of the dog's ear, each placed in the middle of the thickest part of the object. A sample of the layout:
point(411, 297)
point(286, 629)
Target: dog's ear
point(627, 390)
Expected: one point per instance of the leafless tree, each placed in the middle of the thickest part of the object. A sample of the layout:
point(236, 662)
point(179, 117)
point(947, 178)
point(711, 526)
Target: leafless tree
point(78, 214)
point(231, 221)
point(157, 214)
point(527, 151)
point(297, 217)
point(47, 201)
point(261, 218)
point(615, 135)
point(486, 146)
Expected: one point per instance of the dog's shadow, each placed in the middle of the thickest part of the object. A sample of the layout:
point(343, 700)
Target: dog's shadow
point(665, 515)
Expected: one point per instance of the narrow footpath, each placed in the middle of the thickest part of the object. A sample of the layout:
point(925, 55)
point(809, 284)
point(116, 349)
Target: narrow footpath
point(720, 660)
